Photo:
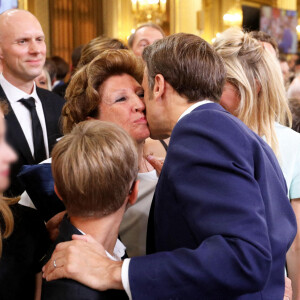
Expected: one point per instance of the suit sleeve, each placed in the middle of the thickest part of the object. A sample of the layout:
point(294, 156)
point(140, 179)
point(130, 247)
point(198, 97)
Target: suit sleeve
point(209, 174)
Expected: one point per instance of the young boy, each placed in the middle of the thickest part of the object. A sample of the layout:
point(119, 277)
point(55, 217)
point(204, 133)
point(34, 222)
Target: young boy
point(94, 169)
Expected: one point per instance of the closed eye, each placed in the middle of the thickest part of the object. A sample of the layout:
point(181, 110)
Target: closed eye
point(122, 99)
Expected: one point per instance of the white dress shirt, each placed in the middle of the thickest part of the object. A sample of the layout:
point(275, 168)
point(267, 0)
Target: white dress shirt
point(119, 250)
point(23, 114)
point(125, 266)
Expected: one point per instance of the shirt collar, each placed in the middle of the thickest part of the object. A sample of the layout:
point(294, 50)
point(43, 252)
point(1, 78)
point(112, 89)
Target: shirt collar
point(192, 107)
point(13, 93)
point(119, 250)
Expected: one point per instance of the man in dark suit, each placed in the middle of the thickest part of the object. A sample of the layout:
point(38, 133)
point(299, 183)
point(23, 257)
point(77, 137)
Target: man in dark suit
point(221, 222)
point(33, 120)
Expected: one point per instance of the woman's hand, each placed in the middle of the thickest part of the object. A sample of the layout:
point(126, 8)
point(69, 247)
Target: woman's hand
point(156, 162)
point(288, 292)
point(53, 225)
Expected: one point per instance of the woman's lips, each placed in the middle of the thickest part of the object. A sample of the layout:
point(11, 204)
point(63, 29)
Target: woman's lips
point(141, 120)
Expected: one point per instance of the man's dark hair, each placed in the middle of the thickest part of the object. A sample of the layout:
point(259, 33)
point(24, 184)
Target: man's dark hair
point(76, 56)
point(297, 62)
point(189, 64)
point(152, 25)
point(282, 58)
point(51, 68)
point(265, 37)
point(294, 105)
point(61, 66)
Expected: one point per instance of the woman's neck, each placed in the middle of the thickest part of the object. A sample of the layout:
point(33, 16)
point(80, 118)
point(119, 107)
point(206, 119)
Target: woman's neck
point(143, 164)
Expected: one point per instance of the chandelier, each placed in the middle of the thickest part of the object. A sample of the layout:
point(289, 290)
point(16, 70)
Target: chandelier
point(149, 10)
point(234, 16)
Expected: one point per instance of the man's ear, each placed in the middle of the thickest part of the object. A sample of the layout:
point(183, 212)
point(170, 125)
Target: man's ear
point(57, 193)
point(132, 197)
point(159, 86)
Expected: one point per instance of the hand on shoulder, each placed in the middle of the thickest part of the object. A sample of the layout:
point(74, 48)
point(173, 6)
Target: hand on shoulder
point(83, 259)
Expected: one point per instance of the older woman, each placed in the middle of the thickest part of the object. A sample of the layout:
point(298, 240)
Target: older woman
point(254, 92)
point(95, 47)
point(108, 89)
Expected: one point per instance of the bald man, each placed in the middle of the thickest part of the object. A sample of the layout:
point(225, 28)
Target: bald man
point(33, 119)
point(144, 36)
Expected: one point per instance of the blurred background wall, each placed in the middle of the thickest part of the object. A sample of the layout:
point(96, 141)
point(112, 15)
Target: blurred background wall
point(70, 23)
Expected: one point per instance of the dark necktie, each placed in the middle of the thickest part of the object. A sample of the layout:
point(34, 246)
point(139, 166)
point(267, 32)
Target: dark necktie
point(37, 132)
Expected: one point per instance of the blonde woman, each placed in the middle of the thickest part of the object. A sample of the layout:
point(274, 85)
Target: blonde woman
point(254, 92)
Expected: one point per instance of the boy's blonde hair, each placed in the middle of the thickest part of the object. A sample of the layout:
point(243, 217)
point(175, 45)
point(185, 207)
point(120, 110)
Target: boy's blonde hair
point(94, 168)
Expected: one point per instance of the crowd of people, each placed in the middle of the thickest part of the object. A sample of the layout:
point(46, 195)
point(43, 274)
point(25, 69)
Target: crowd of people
point(165, 169)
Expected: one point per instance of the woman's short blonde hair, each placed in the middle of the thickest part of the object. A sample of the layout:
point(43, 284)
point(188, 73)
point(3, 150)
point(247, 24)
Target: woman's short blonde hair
point(257, 76)
point(82, 95)
point(94, 168)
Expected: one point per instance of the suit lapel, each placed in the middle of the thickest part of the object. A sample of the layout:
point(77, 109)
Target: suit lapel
point(49, 117)
point(14, 134)
point(2, 94)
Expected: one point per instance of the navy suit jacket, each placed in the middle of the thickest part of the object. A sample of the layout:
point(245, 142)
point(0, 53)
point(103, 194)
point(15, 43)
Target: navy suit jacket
point(222, 222)
point(52, 105)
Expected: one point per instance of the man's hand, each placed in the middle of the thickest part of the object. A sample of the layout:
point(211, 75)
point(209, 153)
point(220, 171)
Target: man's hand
point(85, 261)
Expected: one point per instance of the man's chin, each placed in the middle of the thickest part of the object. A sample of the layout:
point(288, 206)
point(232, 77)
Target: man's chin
point(32, 75)
point(158, 136)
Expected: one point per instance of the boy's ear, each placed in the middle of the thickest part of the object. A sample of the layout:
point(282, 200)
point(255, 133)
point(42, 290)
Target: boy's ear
point(132, 197)
point(57, 193)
